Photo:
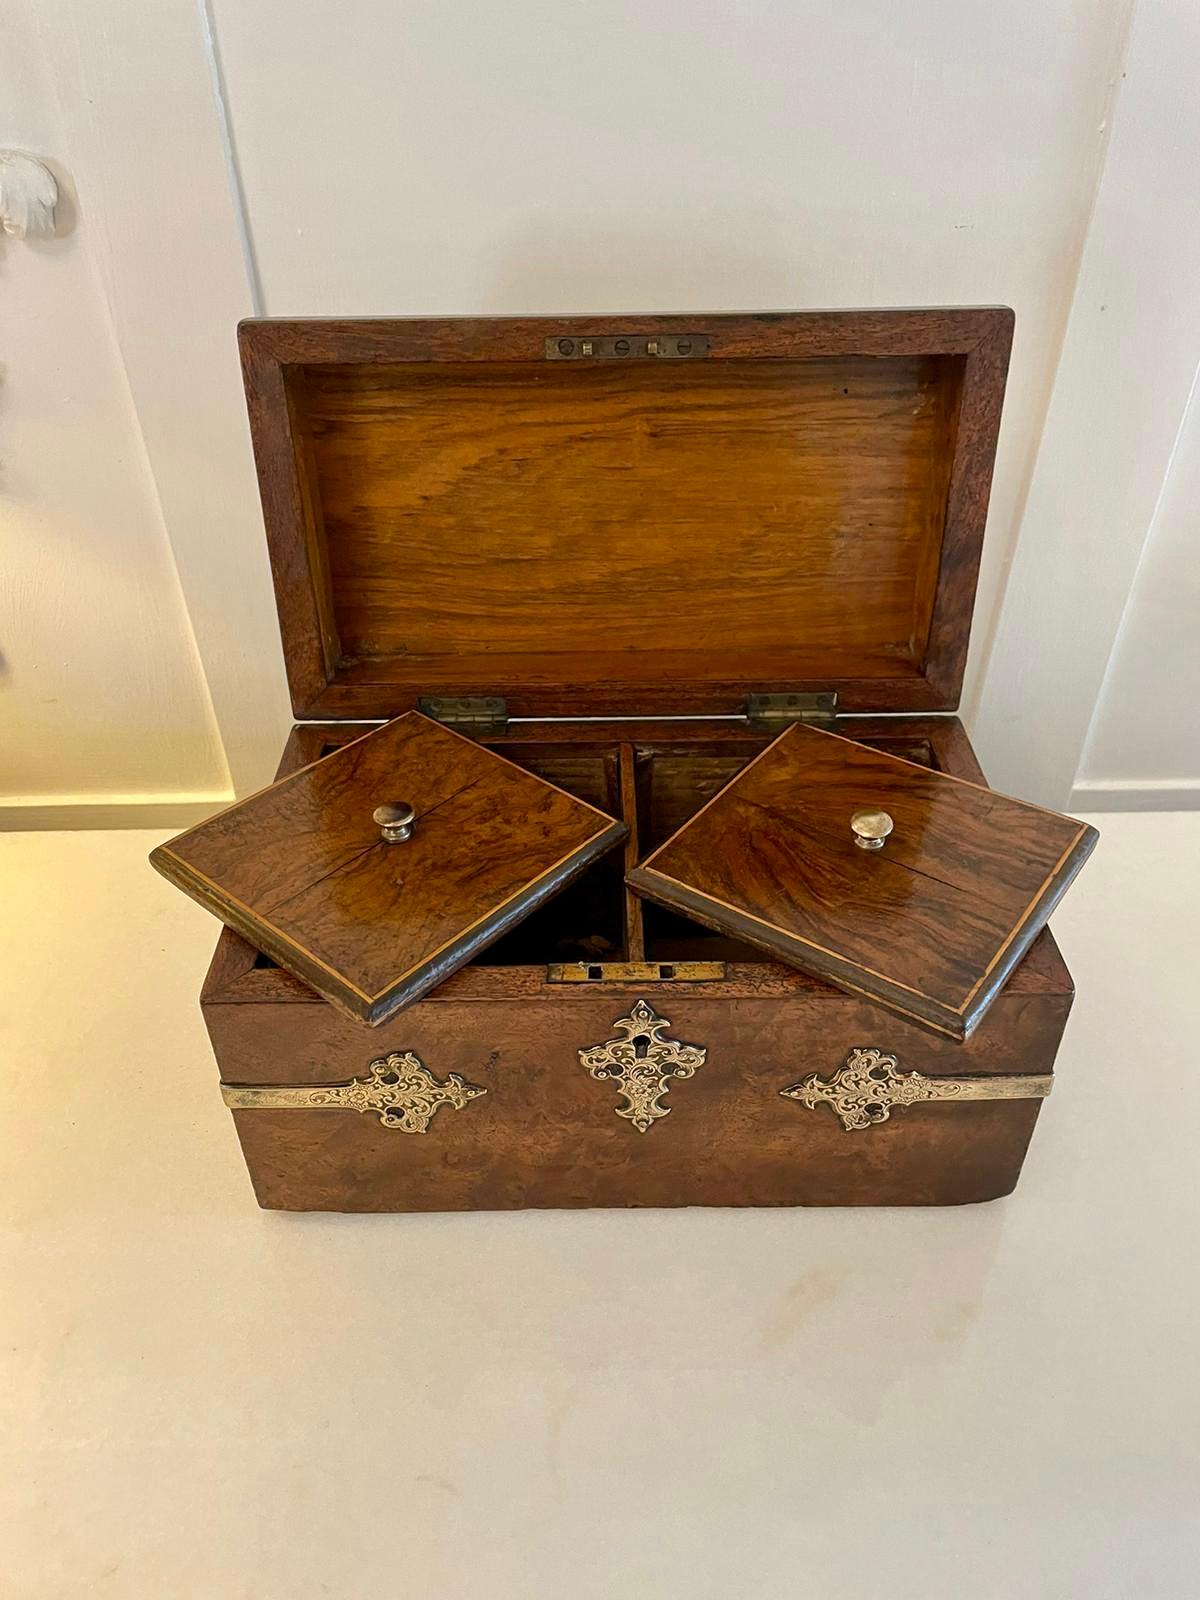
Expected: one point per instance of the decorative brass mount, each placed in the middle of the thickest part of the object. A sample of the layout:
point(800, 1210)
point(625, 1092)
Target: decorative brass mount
point(863, 1092)
point(402, 1092)
point(642, 1063)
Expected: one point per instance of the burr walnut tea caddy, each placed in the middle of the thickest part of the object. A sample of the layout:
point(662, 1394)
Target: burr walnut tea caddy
point(625, 851)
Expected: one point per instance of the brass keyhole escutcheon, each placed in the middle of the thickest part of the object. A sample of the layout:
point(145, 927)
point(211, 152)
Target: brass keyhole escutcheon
point(643, 1064)
point(395, 821)
point(871, 829)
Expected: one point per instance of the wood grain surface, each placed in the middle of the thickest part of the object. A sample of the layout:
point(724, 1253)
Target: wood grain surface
point(302, 871)
point(678, 769)
point(930, 925)
point(546, 1134)
point(448, 512)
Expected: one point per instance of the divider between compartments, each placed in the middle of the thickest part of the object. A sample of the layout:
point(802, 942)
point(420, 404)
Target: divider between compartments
point(635, 935)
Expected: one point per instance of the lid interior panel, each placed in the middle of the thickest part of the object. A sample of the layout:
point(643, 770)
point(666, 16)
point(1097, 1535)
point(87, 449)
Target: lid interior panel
point(451, 513)
point(609, 517)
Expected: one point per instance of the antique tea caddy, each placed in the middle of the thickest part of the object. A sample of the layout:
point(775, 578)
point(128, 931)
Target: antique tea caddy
point(625, 851)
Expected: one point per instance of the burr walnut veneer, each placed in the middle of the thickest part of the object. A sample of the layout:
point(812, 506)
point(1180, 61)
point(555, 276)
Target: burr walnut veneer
point(653, 573)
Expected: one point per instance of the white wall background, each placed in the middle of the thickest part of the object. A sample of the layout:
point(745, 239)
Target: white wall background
point(1106, 460)
point(536, 156)
point(540, 155)
point(101, 694)
point(1143, 749)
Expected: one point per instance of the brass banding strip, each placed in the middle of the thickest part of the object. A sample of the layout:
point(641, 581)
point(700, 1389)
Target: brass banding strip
point(863, 1092)
point(399, 1089)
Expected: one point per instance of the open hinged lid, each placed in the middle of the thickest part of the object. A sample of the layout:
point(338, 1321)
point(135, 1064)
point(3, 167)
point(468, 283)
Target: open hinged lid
point(303, 871)
point(606, 515)
point(919, 890)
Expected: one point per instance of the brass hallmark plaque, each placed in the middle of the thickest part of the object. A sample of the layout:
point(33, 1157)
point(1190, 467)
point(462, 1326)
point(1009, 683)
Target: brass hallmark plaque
point(642, 1063)
point(627, 347)
point(400, 1090)
point(635, 972)
point(863, 1092)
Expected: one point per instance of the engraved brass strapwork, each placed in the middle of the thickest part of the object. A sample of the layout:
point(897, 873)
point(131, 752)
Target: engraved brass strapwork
point(642, 1063)
point(402, 1092)
point(863, 1092)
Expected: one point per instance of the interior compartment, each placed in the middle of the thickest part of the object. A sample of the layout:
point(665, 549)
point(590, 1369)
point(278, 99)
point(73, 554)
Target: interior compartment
point(586, 921)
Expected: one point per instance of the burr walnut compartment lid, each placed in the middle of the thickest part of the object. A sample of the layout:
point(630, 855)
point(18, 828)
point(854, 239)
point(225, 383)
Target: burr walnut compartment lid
point(917, 889)
point(375, 873)
point(591, 516)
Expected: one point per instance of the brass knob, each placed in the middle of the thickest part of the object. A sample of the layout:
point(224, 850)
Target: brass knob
point(870, 829)
point(395, 820)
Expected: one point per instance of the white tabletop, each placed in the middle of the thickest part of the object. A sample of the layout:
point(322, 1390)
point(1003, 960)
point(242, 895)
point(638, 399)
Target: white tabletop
point(199, 1399)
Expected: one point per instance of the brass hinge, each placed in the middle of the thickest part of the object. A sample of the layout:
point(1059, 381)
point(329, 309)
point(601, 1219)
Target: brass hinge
point(480, 714)
point(778, 710)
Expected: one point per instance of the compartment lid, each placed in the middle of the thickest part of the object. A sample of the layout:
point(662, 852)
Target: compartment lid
point(928, 918)
point(626, 515)
point(301, 869)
